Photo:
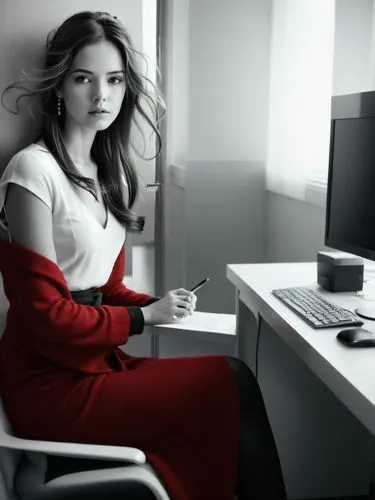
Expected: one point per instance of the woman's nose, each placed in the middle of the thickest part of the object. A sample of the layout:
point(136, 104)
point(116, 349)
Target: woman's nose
point(100, 93)
point(98, 99)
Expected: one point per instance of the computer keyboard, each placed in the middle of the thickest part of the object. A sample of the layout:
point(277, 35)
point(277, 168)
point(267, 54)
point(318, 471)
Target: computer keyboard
point(315, 309)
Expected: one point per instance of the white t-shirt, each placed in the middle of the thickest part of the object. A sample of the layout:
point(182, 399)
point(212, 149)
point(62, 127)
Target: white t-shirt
point(85, 250)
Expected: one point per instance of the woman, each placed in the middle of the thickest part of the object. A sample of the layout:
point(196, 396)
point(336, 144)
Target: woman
point(200, 420)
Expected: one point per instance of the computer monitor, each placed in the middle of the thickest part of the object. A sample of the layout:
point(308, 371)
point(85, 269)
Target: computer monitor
point(350, 214)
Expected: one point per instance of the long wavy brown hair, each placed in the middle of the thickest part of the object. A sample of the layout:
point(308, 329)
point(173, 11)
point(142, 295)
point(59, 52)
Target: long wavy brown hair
point(112, 148)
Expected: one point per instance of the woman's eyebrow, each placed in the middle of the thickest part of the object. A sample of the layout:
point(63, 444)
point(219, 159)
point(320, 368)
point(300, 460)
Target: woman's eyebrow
point(91, 73)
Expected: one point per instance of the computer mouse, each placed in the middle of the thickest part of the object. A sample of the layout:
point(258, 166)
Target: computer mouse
point(356, 337)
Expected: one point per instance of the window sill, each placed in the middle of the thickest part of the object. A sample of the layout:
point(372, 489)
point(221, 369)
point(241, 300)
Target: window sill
point(314, 194)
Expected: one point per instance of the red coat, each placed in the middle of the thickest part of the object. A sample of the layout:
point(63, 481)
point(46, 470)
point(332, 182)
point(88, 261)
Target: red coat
point(63, 377)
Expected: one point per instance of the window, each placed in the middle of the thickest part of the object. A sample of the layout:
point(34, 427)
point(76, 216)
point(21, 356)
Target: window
point(302, 55)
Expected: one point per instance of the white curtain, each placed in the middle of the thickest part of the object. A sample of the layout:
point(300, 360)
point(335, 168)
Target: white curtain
point(302, 49)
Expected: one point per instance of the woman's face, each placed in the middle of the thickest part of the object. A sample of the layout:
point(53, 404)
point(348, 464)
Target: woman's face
point(95, 82)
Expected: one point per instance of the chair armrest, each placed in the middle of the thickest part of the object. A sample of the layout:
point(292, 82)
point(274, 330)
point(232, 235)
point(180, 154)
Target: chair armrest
point(76, 450)
point(139, 474)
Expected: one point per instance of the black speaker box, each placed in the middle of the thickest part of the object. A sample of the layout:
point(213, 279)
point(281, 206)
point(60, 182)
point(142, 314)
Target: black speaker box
point(340, 272)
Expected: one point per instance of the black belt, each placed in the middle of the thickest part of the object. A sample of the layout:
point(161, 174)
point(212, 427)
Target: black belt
point(90, 297)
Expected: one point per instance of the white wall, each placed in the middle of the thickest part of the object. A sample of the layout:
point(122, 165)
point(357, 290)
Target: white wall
point(228, 96)
point(295, 229)
point(229, 58)
point(353, 59)
point(217, 120)
point(300, 93)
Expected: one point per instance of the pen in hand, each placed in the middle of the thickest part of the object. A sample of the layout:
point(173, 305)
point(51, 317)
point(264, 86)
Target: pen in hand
point(195, 288)
point(199, 285)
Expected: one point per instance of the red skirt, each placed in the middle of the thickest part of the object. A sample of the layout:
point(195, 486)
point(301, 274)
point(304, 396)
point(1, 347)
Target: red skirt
point(182, 412)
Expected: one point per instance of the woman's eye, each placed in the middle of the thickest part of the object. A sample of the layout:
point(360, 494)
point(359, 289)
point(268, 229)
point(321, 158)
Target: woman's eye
point(118, 79)
point(80, 79)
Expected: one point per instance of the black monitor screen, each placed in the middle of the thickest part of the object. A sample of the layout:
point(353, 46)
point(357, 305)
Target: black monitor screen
point(350, 224)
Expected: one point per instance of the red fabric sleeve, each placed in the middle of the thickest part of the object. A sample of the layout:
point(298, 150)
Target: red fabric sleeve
point(39, 298)
point(115, 293)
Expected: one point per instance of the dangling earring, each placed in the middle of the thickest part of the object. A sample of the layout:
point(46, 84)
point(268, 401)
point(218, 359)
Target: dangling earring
point(59, 105)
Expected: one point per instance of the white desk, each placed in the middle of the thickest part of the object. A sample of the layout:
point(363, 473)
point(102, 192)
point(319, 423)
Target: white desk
point(309, 381)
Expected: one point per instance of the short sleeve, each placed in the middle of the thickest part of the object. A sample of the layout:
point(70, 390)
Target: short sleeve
point(31, 171)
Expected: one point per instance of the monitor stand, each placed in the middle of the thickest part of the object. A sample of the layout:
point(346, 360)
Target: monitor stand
point(366, 312)
point(368, 291)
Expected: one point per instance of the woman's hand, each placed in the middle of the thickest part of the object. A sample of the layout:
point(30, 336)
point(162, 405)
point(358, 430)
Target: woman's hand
point(176, 305)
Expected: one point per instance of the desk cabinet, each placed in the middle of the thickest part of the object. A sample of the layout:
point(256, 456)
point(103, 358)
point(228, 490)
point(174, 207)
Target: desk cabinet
point(324, 450)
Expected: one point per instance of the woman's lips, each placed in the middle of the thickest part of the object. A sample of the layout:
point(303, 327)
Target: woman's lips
point(98, 113)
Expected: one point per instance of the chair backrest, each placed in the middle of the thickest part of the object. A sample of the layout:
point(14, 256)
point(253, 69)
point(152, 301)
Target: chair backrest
point(9, 459)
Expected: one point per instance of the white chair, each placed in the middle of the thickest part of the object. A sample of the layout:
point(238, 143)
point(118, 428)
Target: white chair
point(23, 466)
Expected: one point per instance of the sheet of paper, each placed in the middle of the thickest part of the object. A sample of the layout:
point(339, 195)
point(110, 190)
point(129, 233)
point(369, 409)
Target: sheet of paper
point(206, 322)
